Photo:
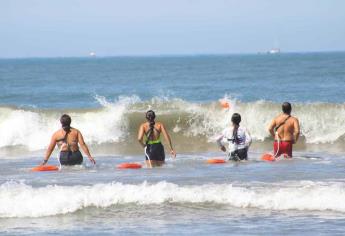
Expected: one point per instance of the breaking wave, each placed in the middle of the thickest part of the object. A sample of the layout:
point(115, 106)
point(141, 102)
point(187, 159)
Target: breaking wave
point(118, 120)
point(21, 200)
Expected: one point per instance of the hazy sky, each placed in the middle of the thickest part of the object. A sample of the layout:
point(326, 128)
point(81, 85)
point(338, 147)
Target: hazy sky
point(30, 28)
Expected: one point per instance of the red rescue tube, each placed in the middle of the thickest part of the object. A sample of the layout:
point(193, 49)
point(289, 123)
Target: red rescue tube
point(216, 161)
point(45, 168)
point(129, 166)
point(268, 157)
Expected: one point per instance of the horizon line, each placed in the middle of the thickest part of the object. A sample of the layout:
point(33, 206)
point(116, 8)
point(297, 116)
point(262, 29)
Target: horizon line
point(170, 55)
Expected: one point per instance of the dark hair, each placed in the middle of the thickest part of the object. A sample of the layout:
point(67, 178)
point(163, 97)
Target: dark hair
point(65, 121)
point(236, 120)
point(150, 116)
point(286, 107)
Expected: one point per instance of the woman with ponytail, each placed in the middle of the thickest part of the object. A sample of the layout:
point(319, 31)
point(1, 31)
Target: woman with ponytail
point(67, 138)
point(149, 138)
point(238, 137)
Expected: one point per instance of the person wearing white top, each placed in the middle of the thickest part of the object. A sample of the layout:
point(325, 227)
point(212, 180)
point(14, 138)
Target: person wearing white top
point(238, 137)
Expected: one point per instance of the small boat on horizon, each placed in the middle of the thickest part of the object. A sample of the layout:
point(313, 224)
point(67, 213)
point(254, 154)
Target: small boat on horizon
point(274, 51)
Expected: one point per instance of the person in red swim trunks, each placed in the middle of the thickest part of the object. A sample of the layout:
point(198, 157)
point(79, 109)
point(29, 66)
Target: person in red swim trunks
point(285, 130)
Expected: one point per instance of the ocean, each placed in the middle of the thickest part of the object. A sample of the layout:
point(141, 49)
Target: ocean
point(107, 99)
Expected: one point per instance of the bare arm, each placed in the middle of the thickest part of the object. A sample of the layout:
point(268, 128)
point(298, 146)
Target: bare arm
point(84, 147)
point(248, 138)
point(296, 130)
point(168, 139)
point(220, 144)
point(141, 136)
point(271, 127)
point(50, 149)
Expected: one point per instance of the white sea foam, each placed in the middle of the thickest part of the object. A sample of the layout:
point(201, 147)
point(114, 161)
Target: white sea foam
point(320, 122)
point(20, 200)
point(33, 129)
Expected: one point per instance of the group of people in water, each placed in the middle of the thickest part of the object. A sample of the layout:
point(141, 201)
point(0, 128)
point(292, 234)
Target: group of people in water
point(284, 129)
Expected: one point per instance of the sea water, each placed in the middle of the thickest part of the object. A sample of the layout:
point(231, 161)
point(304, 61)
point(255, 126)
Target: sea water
point(107, 99)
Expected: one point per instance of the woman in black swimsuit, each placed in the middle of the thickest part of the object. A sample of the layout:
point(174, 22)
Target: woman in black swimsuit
point(150, 131)
point(67, 139)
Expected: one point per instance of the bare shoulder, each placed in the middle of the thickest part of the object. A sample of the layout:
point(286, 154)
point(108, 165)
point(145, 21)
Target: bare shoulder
point(56, 134)
point(159, 124)
point(142, 127)
point(277, 118)
point(294, 118)
point(75, 131)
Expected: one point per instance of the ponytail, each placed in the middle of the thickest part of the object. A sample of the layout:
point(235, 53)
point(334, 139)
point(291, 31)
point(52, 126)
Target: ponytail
point(150, 116)
point(67, 129)
point(65, 121)
point(234, 135)
point(235, 119)
point(152, 125)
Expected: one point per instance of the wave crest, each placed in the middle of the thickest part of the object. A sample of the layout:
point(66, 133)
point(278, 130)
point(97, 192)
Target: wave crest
point(118, 121)
point(21, 200)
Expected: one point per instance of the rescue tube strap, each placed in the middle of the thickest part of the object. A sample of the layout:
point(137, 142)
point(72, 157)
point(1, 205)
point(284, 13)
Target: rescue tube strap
point(281, 124)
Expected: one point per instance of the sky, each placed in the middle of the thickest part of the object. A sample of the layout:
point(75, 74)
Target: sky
point(68, 28)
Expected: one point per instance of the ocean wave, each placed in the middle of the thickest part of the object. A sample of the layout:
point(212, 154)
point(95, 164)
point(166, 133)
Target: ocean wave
point(21, 200)
point(117, 121)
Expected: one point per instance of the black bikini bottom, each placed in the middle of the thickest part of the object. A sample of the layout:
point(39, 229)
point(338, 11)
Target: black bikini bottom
point(71, 158)
point(155, 152)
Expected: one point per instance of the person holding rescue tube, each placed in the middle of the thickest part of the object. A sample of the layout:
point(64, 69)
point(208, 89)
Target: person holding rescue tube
point(238, 137)
point(68, 138)
point(149, 138)
point(285, 130)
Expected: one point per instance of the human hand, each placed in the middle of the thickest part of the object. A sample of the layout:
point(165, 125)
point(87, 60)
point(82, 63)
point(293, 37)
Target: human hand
point(173, 153)
point(43, 162)
point(223, 148)
point(92, 160)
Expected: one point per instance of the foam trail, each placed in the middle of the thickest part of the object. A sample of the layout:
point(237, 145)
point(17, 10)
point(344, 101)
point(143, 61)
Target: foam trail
point(21, 200)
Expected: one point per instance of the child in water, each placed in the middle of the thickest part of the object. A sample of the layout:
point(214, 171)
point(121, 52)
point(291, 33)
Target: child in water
point(238, 137)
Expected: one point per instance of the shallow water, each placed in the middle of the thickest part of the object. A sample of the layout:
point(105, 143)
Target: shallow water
point(185, 196)
point(107, 98)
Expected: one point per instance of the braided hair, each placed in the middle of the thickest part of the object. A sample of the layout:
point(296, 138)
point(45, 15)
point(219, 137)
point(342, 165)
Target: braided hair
point(150, 116)
point(235, 119)
point(65, 121)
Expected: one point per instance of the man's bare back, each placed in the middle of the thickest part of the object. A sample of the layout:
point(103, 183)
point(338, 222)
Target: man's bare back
point(289, 131)
point(285, 131)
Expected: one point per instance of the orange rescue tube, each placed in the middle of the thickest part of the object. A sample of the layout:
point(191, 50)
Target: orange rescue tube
point(45, 168)
point(216, 161)
point(268, 157)
point(224, 104)
point(129, 166)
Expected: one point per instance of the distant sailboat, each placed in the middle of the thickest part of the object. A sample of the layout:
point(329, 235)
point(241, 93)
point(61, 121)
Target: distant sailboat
point(274, 51)
point(92, 54)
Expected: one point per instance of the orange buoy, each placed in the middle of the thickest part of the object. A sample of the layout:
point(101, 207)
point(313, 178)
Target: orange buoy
point(268, 157)
point(129, 166)
point(45, 168)
point(216, 161)
point(224, 104)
